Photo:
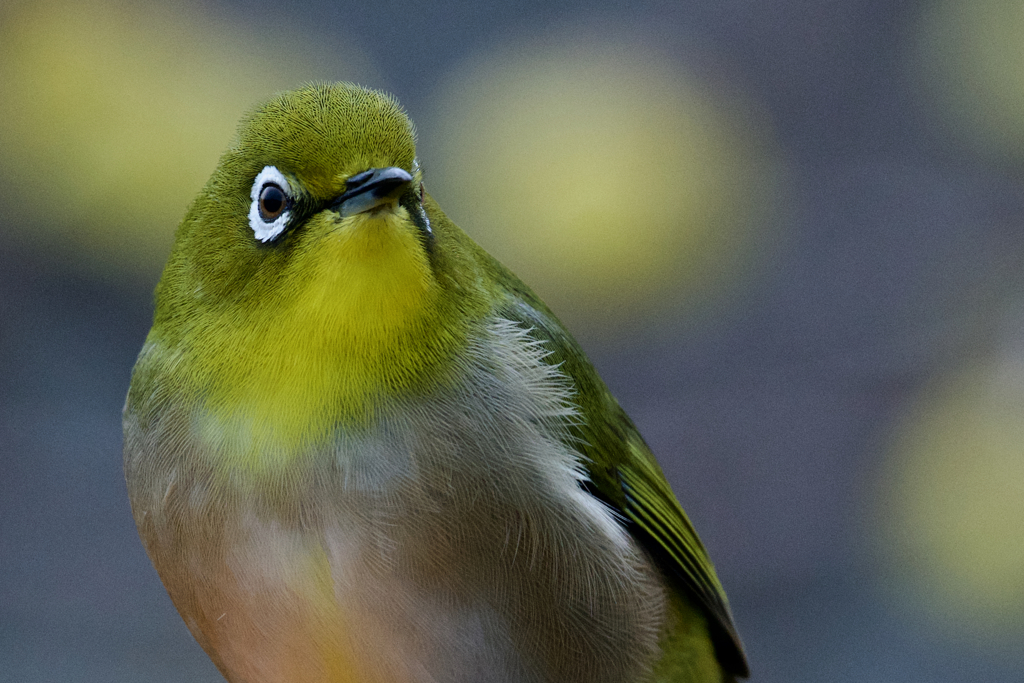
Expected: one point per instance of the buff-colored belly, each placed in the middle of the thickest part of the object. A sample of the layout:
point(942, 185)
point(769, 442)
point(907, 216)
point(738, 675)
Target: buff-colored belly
point(284, 608)
point(266, 611)
point(412, 600)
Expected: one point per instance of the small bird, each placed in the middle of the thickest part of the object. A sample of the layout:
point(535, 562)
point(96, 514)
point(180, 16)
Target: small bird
point(359, 449)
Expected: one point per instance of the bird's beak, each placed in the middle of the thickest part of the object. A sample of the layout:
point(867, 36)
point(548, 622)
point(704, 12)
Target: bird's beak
point(370, 189)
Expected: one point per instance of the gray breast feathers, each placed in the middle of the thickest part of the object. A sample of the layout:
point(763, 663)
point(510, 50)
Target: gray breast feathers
point(453, 535)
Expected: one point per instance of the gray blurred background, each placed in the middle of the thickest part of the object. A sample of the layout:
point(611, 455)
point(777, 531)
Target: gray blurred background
point(789, 234)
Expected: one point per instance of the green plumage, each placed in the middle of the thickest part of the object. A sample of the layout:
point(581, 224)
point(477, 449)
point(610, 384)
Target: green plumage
point(361, 448)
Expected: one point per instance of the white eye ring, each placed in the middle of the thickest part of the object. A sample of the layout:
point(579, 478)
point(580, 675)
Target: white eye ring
point(264, 230)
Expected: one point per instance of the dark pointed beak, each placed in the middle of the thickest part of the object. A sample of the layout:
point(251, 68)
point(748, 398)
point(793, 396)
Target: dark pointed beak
point(370, 189)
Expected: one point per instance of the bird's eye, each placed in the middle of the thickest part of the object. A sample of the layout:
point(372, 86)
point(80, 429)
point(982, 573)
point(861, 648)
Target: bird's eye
point(270, 210)
point(272, 202)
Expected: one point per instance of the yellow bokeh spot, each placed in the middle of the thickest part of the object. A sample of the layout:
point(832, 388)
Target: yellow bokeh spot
point(600, 172)
point(970, 59)
point(114, 114)
point(953, 509)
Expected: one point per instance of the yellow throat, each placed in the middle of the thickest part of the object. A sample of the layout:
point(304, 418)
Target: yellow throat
point(350, 330)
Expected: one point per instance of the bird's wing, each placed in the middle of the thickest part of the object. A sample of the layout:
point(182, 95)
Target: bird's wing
point(624, 474)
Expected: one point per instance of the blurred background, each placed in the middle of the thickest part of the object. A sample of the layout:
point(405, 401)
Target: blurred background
point(789, 234)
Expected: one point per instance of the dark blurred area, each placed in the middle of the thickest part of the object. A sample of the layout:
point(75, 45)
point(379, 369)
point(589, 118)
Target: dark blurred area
point(789, 234)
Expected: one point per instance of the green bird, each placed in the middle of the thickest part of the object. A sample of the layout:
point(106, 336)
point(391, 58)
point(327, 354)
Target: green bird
point(359, 449)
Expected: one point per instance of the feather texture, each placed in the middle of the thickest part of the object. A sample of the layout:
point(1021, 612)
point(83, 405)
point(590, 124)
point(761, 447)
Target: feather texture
point(362, 450)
